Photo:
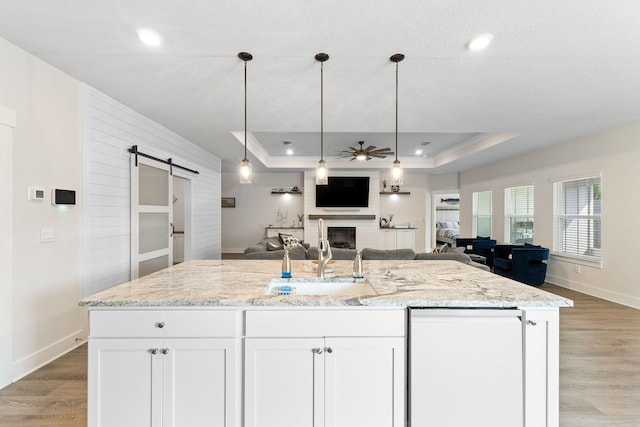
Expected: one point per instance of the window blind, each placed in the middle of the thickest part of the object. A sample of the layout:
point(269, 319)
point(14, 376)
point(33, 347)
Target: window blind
point(577, 229)
point(482, 212)
point(518, 212)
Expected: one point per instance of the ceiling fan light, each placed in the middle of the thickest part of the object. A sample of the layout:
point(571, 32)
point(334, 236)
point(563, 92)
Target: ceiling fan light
point(245, 172)
point(322, 173)
point(361, 156)
point(397, 177)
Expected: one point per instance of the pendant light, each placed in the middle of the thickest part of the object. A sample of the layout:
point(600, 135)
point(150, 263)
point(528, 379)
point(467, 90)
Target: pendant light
point(322, 171)
point(245, 166)
point(396, 168)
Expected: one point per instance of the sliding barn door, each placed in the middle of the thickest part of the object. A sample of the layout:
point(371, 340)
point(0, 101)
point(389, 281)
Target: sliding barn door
point(151, 216)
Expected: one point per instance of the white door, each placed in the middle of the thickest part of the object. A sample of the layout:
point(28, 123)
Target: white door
point(364, 382)
point(151, 216)
point(284, 382)
point(124, 382)
point(198, 382)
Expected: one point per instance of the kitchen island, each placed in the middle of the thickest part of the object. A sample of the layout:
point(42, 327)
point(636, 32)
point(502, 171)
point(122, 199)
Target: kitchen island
point(201, 344)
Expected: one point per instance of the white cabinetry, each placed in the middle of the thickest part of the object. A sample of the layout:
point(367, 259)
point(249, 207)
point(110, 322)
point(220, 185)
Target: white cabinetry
point(397, 238)
point(144, 375)
point(495, 364)
point(466, 368)
point(320, 373)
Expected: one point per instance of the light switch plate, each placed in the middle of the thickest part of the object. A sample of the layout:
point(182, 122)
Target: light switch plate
point(47, 235)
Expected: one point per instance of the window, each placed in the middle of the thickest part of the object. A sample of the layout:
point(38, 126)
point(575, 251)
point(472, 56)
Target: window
point(577, 227)
point(482, 213)
point(518, 214)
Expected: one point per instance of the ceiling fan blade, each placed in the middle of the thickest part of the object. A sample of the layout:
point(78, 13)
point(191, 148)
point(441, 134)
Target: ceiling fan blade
point(382, 151)
point(378, 156)
point(370, 148)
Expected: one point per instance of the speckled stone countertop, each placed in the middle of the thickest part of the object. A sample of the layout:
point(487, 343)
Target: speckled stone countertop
point(398, 283)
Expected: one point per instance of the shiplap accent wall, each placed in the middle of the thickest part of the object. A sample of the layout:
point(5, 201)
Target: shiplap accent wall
point(109, 130)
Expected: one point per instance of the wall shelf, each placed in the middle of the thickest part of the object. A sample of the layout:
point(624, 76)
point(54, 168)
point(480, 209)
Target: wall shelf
point(387, 193)
point(286, 192)
point(342, 216)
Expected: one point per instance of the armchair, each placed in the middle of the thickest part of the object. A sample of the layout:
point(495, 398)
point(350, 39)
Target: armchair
point(522, 263)
point(482, 246)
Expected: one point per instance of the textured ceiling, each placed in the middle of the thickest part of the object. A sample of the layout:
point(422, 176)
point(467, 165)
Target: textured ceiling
point(556, 70)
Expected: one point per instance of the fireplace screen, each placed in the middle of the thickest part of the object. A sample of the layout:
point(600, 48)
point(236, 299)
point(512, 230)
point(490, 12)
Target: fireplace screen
point(342, 237)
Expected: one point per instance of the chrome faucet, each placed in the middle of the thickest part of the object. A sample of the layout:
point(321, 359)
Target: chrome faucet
point(323, 246)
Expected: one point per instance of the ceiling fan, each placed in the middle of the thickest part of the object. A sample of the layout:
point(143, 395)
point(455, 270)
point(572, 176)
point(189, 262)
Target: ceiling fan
point(361, 153)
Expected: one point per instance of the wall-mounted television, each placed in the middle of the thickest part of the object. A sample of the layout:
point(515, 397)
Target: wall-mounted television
point(343, 192)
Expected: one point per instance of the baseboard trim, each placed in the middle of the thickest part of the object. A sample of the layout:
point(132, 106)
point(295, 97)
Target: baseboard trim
point(595, 291)
point(38, 359)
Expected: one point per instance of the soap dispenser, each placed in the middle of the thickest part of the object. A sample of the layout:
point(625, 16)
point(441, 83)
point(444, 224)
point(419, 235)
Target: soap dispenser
point(357, 266)
point(286, 265)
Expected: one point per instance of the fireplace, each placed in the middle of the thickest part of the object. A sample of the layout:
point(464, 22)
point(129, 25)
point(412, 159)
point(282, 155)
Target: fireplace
point(342, 237)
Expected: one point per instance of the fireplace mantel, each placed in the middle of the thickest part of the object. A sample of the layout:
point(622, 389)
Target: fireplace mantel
point(342, 216)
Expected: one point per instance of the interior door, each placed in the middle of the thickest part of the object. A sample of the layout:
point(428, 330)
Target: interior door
point(151, 216)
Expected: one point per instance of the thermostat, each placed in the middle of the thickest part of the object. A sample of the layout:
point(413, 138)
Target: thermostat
point(63, 197)
point(35, 193)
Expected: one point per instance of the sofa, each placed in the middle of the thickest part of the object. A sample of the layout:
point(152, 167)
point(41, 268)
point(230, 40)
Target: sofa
point(273, 248)
point(303, 252)
point(524, 263)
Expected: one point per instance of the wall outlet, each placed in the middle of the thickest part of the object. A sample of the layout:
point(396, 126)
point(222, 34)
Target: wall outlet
point(576, 268)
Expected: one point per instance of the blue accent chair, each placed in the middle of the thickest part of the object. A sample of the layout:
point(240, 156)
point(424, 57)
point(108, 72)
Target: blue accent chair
point(479, 246)
point(524, 263)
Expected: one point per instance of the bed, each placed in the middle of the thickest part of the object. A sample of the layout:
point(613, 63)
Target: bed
point(447, 231)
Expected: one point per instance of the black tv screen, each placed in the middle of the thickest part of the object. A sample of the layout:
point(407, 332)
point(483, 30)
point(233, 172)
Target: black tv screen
point(343, 192)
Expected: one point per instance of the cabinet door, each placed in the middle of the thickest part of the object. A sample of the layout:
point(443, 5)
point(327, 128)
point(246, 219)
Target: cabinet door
point(364, 382)
point(124, 382)
point(284, 382)
point(198, 382)
point(541, 358)
point(466, 368)
point(387, 239)
point(405, 239)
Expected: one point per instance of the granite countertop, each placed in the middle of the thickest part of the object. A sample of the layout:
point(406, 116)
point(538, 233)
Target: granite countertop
point(398, 283)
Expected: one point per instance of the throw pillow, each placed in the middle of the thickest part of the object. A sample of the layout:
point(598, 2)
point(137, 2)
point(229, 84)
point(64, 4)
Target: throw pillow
point(292, 242)
point(273, 243)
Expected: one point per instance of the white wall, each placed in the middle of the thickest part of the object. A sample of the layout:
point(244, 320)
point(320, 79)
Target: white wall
point(256, 207)
point(109, 130)
point(616, 155)
point(46, 153)
point(409, 209)
point(7, 123)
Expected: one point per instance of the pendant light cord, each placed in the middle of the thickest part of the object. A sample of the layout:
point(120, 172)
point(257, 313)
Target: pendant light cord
point(396, 111)
point(245, 110)
point(321, 110)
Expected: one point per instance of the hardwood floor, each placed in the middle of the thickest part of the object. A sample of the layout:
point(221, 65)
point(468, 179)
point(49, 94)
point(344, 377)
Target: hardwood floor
point(53, 396)
point(599, 362)
point(599, 373)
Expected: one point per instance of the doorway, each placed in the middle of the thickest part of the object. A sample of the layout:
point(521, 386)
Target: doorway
point(181, 218)
point(446, 223)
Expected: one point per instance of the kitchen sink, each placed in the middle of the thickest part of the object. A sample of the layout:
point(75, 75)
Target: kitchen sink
point(338, 286)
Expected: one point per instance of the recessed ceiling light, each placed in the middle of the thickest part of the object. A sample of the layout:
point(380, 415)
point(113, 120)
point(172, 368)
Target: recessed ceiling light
point(149, 37)
point(289, 151)
point(479, 42)
point(418, 152)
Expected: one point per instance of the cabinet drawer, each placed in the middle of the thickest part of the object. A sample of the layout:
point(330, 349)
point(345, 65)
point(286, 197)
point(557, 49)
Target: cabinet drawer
point(325, 323)
point(162, 323)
